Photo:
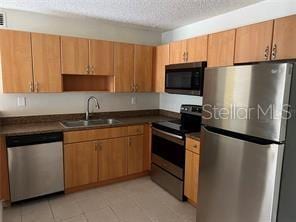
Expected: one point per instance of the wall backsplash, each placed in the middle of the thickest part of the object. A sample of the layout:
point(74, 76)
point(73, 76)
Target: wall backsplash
point(61, 103)
point(173, 102)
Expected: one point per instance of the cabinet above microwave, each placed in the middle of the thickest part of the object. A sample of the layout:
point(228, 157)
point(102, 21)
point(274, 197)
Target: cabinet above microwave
point(186, 79)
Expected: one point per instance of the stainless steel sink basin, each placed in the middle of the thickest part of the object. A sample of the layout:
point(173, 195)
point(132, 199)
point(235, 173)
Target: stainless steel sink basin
point(87, 123)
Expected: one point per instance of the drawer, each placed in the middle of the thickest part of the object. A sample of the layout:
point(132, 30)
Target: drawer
point(95, 134)
point(193, 145)
point(135, 130)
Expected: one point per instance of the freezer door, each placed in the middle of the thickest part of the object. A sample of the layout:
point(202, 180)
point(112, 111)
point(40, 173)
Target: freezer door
point(248, 99)
point(239, 180)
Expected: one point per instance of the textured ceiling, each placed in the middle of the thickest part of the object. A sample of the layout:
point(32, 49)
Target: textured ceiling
point(160, 14)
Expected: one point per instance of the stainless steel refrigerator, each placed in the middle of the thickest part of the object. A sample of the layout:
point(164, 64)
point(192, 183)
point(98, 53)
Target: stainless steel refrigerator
point(248, 144)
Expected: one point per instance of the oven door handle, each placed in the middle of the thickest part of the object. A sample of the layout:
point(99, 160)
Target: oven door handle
point(169, 136)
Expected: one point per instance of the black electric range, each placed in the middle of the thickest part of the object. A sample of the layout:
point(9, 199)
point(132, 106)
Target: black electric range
point(168, 149)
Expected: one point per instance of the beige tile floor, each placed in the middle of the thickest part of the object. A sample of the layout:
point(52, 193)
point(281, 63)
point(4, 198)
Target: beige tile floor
point(139, 200)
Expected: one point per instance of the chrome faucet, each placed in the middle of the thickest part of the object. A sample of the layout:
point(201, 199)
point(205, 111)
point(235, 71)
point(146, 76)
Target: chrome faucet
point(87, 108)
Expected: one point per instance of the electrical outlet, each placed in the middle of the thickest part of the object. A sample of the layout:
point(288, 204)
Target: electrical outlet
point(21, 101)
point(134, 101)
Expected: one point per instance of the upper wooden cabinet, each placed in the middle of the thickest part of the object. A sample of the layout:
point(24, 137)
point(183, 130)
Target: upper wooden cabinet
point(124, 67)
point(16, 61)
point(178, 51)
point(46, 63)
point(74, 52)
point(253, 42)
point(81, 164)
point(221, 48)
point(143, 68)
point(112, 158)
point(197, 49)
point(189, 50)
point(284, 38)
point(101, 57)
point(161, 59)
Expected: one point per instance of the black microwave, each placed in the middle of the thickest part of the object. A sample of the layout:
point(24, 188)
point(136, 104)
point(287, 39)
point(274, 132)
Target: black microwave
point(186, 79)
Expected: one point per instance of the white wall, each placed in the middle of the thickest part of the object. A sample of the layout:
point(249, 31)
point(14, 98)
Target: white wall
point(261, 11)
point(37, 104)
point(173, 102)
point(82, 27)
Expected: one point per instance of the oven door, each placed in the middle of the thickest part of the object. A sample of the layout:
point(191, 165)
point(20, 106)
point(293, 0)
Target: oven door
point(168, 152)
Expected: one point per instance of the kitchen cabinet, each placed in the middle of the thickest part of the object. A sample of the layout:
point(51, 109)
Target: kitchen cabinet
point(161, 59)
point(253, 42)
point(191, 169)
point(98, 156)
point(143, 68)
point(4, 182)
point(46, 63)
point(74, 55)
point(81, 164)
point(284, 35)
point(16, 61)
point(178, 51)
point(101, 57)
point(112, 158)
point(221, 48)
point(197, 49)
point(189, 50)
point(191, 175)
point(135, 154)
point(124, 67)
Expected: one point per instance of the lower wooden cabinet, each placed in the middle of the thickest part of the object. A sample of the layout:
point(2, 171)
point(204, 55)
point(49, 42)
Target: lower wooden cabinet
point(81, 164)
point(191, 175)
point(4, 178)
point(102, 155)
point(135, 154)
point(112, 158)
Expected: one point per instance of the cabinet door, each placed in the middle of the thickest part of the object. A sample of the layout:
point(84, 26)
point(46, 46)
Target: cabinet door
point(161, 59)
point(16, 61)
point(101, 57)
point(81, 164)
point(46, 53)
point(143, 68)
point(112, 158)
point(135, 154)
point(74, 53)
point(177, 52)
point(253, 42)
point(221, 49)
point(197, 49)
point(284, 43)
point(191, 175)
point(124, 67)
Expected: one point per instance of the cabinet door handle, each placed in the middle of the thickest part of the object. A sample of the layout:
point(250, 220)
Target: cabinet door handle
point(136, 87)
point(31, 86)
point(274, 51)
point(129, 141)
point(133, 88)
point(36, 87)
point(98, 146)
point(92, 69)
point(186, 56)
point(266, 52)
point(87, 69)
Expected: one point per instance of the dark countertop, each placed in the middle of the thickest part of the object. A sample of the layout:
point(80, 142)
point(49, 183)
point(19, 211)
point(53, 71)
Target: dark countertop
point(195, 136)
point(46, 127)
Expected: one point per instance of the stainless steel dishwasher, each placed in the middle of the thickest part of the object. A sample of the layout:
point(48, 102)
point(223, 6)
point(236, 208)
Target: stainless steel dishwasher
point(35, 165)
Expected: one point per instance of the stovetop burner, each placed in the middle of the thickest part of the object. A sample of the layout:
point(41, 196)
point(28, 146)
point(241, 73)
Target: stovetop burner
point(190, 121)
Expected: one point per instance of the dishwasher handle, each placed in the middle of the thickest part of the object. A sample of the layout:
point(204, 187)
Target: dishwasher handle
point(34, 139)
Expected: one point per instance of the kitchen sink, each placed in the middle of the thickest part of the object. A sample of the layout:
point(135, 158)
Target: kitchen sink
point(87, 123)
